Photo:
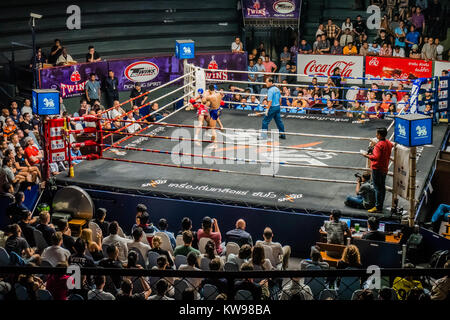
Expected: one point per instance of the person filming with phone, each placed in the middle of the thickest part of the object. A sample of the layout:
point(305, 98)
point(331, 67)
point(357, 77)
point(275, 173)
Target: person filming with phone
point(365, 193)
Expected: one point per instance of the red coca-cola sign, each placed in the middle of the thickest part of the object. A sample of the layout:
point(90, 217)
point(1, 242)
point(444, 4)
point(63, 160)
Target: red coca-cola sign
point(316, 68)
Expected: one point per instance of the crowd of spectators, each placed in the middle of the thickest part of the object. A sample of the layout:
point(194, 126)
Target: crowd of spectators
point(150, 246)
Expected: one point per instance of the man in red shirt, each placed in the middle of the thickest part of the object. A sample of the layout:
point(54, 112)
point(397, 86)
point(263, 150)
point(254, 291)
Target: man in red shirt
point(379, 158)
point(34, 156)
point(208, 225)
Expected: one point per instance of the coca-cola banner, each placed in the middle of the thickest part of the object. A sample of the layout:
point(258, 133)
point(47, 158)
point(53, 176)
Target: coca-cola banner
point(397, 68)
point(278, 9)
point(150, 72)
point(440, 66)
point(324, 65)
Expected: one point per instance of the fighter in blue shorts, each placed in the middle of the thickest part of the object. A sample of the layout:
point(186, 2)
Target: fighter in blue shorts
point(213, 100)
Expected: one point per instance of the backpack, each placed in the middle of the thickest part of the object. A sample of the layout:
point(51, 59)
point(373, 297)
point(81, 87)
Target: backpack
point(439, 258)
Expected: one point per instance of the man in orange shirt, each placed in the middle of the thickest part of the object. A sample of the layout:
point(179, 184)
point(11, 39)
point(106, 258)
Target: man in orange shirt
point(9, 129)
point(387, 101)
point(33, 154)
point(350, 49)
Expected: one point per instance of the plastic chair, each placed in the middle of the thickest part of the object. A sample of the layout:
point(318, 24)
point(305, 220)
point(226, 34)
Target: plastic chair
point(232, 247)
point(4, 257)
point(41, 244)
point(179, 286)
point(152, 257)
point(210, 292)
point(202, 243)
point(230, 266)
point(179, 260)
point(243, 295)
point(165, 244)
point(179, 240)
point(204, 264)
point(43, 295)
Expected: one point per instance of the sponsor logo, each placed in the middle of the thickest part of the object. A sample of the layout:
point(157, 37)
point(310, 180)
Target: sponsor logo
point(75, 76)
point(141, 71)
point(187, 50)
point(401, 131)
point(313, 67)
point(421, 131)
point(49, 103)
point(257, 10)
point(283, 6)
point(70, 89)
point(219, 75)
point(374, 62)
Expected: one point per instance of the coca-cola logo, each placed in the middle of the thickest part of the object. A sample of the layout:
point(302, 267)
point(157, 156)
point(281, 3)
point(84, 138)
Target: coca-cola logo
point(313, 67)
point(283, 6)
point(141, 71)
point(75, 76)
point(374, 62)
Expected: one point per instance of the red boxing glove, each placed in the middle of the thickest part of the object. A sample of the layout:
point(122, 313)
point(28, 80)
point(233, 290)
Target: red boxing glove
point(192, 101)
point(222, 103)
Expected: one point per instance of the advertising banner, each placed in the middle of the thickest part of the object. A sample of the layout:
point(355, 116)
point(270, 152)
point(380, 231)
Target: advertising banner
point(150, 72)
point(397, 68)
point(443, 95)
point(55, 137)
point(273, 9)
point(440, 66)
point(324, 65)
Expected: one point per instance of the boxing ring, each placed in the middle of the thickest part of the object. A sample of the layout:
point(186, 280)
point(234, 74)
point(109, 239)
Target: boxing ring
point(311, 171)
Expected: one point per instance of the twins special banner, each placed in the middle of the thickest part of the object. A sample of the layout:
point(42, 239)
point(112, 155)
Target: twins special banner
point(274, 9)
point(397, 68)
point(150, 72)
point(324, 65)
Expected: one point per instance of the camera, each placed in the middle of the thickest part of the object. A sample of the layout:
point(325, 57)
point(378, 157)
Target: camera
point(370, 149)
point(35, 15)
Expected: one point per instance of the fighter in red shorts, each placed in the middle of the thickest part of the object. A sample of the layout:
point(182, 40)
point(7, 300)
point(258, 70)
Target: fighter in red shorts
point(202, 114)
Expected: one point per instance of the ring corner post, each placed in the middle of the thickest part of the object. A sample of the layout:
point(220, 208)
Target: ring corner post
point(412, 185)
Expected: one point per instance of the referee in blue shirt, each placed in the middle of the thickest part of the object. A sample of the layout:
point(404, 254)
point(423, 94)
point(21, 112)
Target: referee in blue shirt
point(273, 110)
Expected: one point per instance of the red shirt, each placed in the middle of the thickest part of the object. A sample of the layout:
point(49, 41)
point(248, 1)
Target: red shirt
point(31, 151)
point(381, 155)
point(214, 236)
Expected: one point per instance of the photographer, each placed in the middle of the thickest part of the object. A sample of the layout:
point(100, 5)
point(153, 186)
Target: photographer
point(379, 158)
point(365, 193)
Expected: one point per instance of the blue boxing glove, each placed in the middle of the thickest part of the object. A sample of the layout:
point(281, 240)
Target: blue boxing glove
point(215, 87)
point(200, 91)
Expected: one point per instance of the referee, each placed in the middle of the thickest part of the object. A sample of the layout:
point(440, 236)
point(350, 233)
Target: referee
point(272, 110)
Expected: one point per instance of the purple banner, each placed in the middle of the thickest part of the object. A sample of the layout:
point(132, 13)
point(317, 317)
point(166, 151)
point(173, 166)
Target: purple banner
point(70, 80)
point(274, 9)
point(150, 72)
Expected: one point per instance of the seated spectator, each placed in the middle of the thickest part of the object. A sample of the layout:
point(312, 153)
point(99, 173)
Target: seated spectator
point(126, 292)
point(99, 219)
point(441, 288)
point(403, 104)
point(292, 77)
point(57, 283)
point(33, 154)
point(45, 226)
point(112, 261)
point(17, 210)
point(269, 66)
point(329, 108)
point(372, 232)
point(16, 243)
point(404, 285)
point(138, 235)
point(383, 38)
point(322, 46)
point(258, 260)
point(335, 229)
point(163, 225)
point(75, 152)
point(142, 220)
point(248, 284)
point(398, 52)
point(350, 49)
point(118, 241)
point(192, 265)
point(351, 258)
point(305, 47)
point(98, 293)
point(210, 252)
point(161, 289)
point(220, 283)
point(156, 243)
point(385, 50)
point(239, 235)
point(237, 46)
point(210, 229)
point(365, 193)
point(280, 253)
point(56, 253)
point(26, 108)
point(374, 49)
point(315, 260)
point(28, 229)
point(65, 58)
point(92, 55)
point(21, 164)
point(186, 225)
point(295, 289)
point(94, 248)
point(244, 255)
point(364, 49)
point(186, 248)
point(336, 48)
point(79, 258)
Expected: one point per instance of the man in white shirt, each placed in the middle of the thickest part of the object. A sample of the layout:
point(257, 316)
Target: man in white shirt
point(55, 253)
point(118, 241)
point(403, 105)
point(236, 46)
point(64, 58)
point(132, 127)
point(26, 107)
point(398, 52)
point(191, 261)
point(138, 236)
point(98, 293)
point(280, 254)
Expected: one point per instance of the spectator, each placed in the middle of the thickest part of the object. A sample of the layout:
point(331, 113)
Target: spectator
point(400, 35)
point(398, 52)
point(79, 258)
point(441, 288)
point(320, 30)
point(347, 24)
point(210, 229)
point(429, 50)
point(259, 76)
point(192, 263)
point(418, 20)
point(346, 38)
point(402, 9)
point(9, 169)
point(138, 235)
point(220, 283)
point(93, 92)
point(118, 241)
point(68, 240)
point(248, 283)
point(186, 248)
point(161, 290)
point(335, 229)
point(372, 232)
point(33, 154)
point(92, 55)
point(16, 243)
point(139, 98)
point(98, 293)
point(285, 56)
point(111, 85)
point(365, 194)
point(112, 261)
point(315, 260)
point(269, 66)
point(45, 226)
point(350, 49)
point(404, 285)
point(9, 128)
point(385, 50)
point(351, 258)
point(252, 76)
point(56, 284)
point(55, 253)
point(322, 45)
point(236, 46)
point(100, 216)
point(439, 49)
point(332, 30)
point(359, 27)
point(383, 38)
point(403, 104)
point(186, 225)
point(55, 52)
point(414, 53)
point(244, 255)
point(280, 253)
point(239, 235)
point(74, 153)
point(295, 289)
point(364, 50)
point(412, 37)
point(305, 47)
point(147, 227)
point(294, 50)
point(374, 49)
point(156, 243)
point(163, 225)
point(336, 48)
point(65, 58)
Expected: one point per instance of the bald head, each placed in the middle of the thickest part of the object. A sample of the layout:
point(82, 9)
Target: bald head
point(240, 224)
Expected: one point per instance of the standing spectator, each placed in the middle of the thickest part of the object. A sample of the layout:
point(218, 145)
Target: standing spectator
point(111, 85)
point(259, 76)
point(332, 30)
point(55, 52)
point(92, 55)
point(412, 37)
point(402, 9)
point(236, 46)
point(93, 92)
point(118, 241)
point(347, 24)
point(252, 76)
point(269, 66)
point(26, 107)
point(139, 92)
point(65, 58)
point(390, 8)
point(280, 253)
point(55, 253)
point(400, 35)
point(359, 27)
point(439, 49)
point(350, 49)
point(292, 78)
point(239, 235)
point(294, 50)
point(418, 20)
point(379, 164)
point(398, 52)
point(305, 47)
point(336, 48)
point(163, 226)
point(346, 38)
point(285, 56)
point(429, 50)
point(335, 229)
point(320, 30)
point(210, 229)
